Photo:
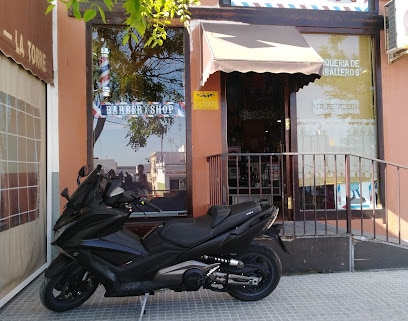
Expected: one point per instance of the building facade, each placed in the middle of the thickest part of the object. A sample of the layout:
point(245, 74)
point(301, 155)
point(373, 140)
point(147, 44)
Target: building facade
point(245, 106)
point(336, 108)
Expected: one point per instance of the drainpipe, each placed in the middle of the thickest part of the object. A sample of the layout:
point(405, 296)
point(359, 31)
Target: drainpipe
point(351, 251)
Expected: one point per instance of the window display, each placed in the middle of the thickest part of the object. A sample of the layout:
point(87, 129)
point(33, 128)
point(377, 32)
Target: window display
point(337, 114)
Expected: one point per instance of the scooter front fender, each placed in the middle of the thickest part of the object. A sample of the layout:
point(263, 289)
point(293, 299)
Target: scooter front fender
point(61, 263)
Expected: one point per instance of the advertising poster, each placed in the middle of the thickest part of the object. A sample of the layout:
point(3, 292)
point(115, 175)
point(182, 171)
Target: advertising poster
point(362, 196)
point(336, 115)
point(205, 100)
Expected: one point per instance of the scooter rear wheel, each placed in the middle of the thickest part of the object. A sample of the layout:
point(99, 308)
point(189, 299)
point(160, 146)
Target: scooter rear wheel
point(262, 262)
point(66, 291)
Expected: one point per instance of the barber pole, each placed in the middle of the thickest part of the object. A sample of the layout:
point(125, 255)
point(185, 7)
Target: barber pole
point(104, 77)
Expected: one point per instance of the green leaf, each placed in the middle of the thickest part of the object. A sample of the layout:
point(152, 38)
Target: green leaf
point(77, 13)
point(108, 4)
point(49, 8)
point(140, 26)
point(75, 9)
point(126, 38)
point(102, 13)
point(89, 14)
point(136, 5)
point(134, 37)
point(149, 42)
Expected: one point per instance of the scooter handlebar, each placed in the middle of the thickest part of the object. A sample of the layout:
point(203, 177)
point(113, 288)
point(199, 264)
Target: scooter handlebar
point(144, 202)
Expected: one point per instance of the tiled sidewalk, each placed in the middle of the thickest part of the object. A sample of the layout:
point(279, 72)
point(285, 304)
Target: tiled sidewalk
point(358, 296)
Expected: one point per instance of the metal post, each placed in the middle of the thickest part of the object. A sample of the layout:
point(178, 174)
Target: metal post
point(348, 201)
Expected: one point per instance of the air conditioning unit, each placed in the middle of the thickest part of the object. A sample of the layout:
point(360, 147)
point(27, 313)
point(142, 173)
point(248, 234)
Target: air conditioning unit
point(396, 29)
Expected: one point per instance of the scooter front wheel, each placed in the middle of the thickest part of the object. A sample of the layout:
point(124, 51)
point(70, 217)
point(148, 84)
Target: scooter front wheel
point(262, 262)
point(67, 290)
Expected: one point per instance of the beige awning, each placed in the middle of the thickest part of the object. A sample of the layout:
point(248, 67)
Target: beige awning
point(232, 47)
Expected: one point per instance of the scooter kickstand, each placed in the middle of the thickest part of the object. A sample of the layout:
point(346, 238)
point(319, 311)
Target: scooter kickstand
point(143, 301)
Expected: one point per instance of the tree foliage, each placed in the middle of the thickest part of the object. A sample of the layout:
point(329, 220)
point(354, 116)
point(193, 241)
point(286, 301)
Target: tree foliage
point(140, 129)
point(141, 15)
point(140, 73)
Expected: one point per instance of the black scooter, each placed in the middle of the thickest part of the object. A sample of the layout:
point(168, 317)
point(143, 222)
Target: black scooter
point(214, 251)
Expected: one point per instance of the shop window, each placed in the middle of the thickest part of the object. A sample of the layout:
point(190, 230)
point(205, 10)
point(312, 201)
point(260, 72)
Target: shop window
point(174, 184)
point(22, 175)
point(337, 114)
point(139, 112)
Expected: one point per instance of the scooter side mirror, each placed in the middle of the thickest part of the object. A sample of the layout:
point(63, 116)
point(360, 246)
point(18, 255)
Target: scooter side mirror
point(65, 194)
point(83, 171)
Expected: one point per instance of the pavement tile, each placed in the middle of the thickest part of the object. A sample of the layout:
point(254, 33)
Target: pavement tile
point(357, 296)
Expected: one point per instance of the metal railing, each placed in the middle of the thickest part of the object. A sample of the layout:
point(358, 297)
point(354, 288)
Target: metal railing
point(318, 194)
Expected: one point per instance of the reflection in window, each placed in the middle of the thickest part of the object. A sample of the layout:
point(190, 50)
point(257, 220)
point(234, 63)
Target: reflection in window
point(140, 114)
point(336, 114)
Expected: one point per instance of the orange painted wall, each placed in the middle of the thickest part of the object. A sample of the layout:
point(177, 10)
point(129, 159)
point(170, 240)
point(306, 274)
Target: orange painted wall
point(206, 141)
point(205, 130)
point(72, 98)
point(395, 117)
point(395, 98)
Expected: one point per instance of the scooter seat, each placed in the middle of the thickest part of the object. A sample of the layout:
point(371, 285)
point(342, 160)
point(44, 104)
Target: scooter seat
point(219, 213)
point(192, 231)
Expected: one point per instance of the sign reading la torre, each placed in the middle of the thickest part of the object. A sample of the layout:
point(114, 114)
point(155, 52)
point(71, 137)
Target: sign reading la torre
point(27, 41)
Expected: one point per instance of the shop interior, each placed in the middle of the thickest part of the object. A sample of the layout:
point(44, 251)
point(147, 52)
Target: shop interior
point(255, 124)
point(255, 117)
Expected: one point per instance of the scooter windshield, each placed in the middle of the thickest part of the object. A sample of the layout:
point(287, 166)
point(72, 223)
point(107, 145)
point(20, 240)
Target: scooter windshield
point(87, 190)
